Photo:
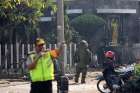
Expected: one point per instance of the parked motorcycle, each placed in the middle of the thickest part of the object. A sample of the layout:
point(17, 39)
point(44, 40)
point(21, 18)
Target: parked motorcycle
point(124, 74)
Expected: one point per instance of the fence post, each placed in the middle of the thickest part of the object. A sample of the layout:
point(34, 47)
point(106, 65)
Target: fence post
point(55, 46)
point(23, 55)
point(65, 56)
point(17, 53)
point(12, 56)
point(23, 51)
point(28, 48)
point(33, 47)
point(75, 47)
point(6, 56)
point(0, 54)
point(70, 54)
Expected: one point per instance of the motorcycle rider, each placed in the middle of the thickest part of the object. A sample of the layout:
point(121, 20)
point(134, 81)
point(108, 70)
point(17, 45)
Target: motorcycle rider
point(109, 72)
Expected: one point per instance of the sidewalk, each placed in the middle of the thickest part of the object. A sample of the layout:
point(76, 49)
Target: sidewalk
point(24, 87)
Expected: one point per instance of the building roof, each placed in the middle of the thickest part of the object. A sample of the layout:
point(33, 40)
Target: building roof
point(121, 11)
point(68, 11)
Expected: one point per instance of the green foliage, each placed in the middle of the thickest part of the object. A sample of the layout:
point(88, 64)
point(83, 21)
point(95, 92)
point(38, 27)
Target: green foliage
point(23, 13)
point(87, 24)
point(70, 34)
point(19, 11)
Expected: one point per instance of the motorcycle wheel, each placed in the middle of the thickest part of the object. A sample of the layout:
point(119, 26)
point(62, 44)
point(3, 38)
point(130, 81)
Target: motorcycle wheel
point(102, 86)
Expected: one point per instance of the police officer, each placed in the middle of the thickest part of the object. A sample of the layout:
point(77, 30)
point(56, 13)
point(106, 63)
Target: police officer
point(82, 59)
point(41, 67)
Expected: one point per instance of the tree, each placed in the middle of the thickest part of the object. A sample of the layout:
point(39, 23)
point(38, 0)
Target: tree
point(87, 25)
point(20, 16)
point(90, 27)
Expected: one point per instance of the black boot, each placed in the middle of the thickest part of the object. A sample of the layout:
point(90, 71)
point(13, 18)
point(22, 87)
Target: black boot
point(76, 80)
point(83, 81)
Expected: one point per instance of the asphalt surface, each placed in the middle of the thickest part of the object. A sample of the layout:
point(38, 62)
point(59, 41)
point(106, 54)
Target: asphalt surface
point(24, 87)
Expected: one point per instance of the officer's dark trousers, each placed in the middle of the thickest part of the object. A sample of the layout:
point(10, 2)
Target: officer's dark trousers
point(41, 87)
point(78, 71)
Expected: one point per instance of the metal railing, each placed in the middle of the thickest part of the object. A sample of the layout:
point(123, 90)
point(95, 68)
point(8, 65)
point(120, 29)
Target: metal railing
point(11, 58)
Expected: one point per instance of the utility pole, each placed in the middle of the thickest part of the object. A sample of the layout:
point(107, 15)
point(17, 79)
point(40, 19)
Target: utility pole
point(60, 20)
point(60, 30)
point(62, 82)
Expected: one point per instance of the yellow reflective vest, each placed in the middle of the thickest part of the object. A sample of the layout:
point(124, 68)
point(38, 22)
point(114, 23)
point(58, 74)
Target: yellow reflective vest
point(44, 69)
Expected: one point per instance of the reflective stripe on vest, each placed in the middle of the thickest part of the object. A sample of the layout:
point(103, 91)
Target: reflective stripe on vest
point(44, 69)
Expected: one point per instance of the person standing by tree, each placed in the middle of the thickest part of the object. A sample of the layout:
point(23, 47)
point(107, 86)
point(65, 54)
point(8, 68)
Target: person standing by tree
point(82, 60)
point(41, 67)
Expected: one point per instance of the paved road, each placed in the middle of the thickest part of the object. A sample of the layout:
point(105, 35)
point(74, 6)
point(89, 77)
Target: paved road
point(77, 88)
point(24, 87)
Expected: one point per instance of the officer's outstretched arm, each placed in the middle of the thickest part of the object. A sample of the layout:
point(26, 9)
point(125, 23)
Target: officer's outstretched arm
point(56, 52)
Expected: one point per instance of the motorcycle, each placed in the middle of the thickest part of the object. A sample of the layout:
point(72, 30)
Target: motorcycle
point(124, 75)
